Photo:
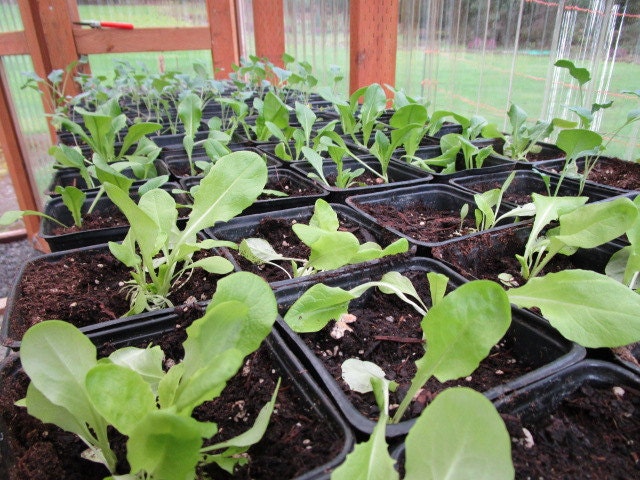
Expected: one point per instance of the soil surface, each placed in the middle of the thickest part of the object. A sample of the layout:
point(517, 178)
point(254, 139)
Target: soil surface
point(594, 434)
point(420, 222)
point(106, 218)
point(615, 173)
point(85, 288)
point(387, 332)
point(486, 256)
point(310, 440)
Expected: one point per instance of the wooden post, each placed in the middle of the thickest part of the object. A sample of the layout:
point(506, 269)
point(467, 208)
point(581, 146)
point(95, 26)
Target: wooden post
point(224, 36)
point(268, 27)
point(49, 30)
point(374, 41)
point(15, 155)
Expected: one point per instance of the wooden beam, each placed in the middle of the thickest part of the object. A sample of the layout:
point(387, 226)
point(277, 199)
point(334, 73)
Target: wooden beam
point(374, 41)
point(13, 43)
point(15, 155)
point(224, 36)
point(90, 40)
point(268, 28)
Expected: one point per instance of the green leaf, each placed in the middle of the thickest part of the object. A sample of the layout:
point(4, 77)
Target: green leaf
point(578, 142)
point(586, 307)
point(216, 265)
point(73, 198)
point(596, 223)
point(147, 362)
point(59, 372)
point(582, 75)
point(437, 286)
point(121, 395)
point(165, 446)
point(459, 435)
point(136, 132)
point(316, 307)
point(409, 114)
point(233, 184)
point(462, 328)
point(324, 217)
point(369, 460)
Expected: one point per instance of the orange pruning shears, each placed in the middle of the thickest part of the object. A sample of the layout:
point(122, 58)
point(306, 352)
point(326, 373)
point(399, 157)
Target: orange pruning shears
point(99, 24)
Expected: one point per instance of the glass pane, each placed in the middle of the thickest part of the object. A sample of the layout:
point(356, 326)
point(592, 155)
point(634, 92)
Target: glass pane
point(161, 13)
point(478, 57)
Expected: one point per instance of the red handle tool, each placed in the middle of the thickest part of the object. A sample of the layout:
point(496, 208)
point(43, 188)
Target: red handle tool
point(99, 24)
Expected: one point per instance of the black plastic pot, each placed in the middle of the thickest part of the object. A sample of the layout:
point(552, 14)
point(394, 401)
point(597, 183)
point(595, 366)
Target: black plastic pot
point(81, 238)
point(9, 339)
point(433, 197)
point(540, 407)
point(471, 256)
point(317, 407)
point(242, 227)
point(556, 166)
point(491, 164)
point(531, 340)
point(526, 182)
point(399, 175)
point(305, 191)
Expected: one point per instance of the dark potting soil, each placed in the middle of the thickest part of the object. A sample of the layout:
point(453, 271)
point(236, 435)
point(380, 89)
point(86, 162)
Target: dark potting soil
point(87, 288)
point(279, 234)
point(420, 222)
point(296, 441)
point(366, 179)
point(107, 218)
point(615, 173)
point(387, 332)
point(594, 434)
point(290, 187)
point(477, 257)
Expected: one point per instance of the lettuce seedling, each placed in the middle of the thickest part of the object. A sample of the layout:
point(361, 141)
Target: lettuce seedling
point(458, 435)
point(131, 392)
point(190, 113)
point(330, 247)
point(580, 226)
point(159, 253)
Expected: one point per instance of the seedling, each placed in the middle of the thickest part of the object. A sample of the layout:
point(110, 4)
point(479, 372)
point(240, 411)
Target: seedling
point(161, 255)
point(450, 327)
point(330, 247)
point(523, 139)
point(458, 435)
point(72, 197)
point(451, 145)
point(624, 265)
point(130, 391)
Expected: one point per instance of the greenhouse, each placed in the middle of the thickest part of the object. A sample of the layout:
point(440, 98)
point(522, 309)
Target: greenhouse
point(291, 239)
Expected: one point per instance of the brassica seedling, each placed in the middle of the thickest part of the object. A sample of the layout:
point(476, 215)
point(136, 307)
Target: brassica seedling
point(330, 247)
point(160, 254)
point(458, 435)
point(523, 139)
point(129, 390)
point(488, 205)
point(624, 265)
point(451, 145)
